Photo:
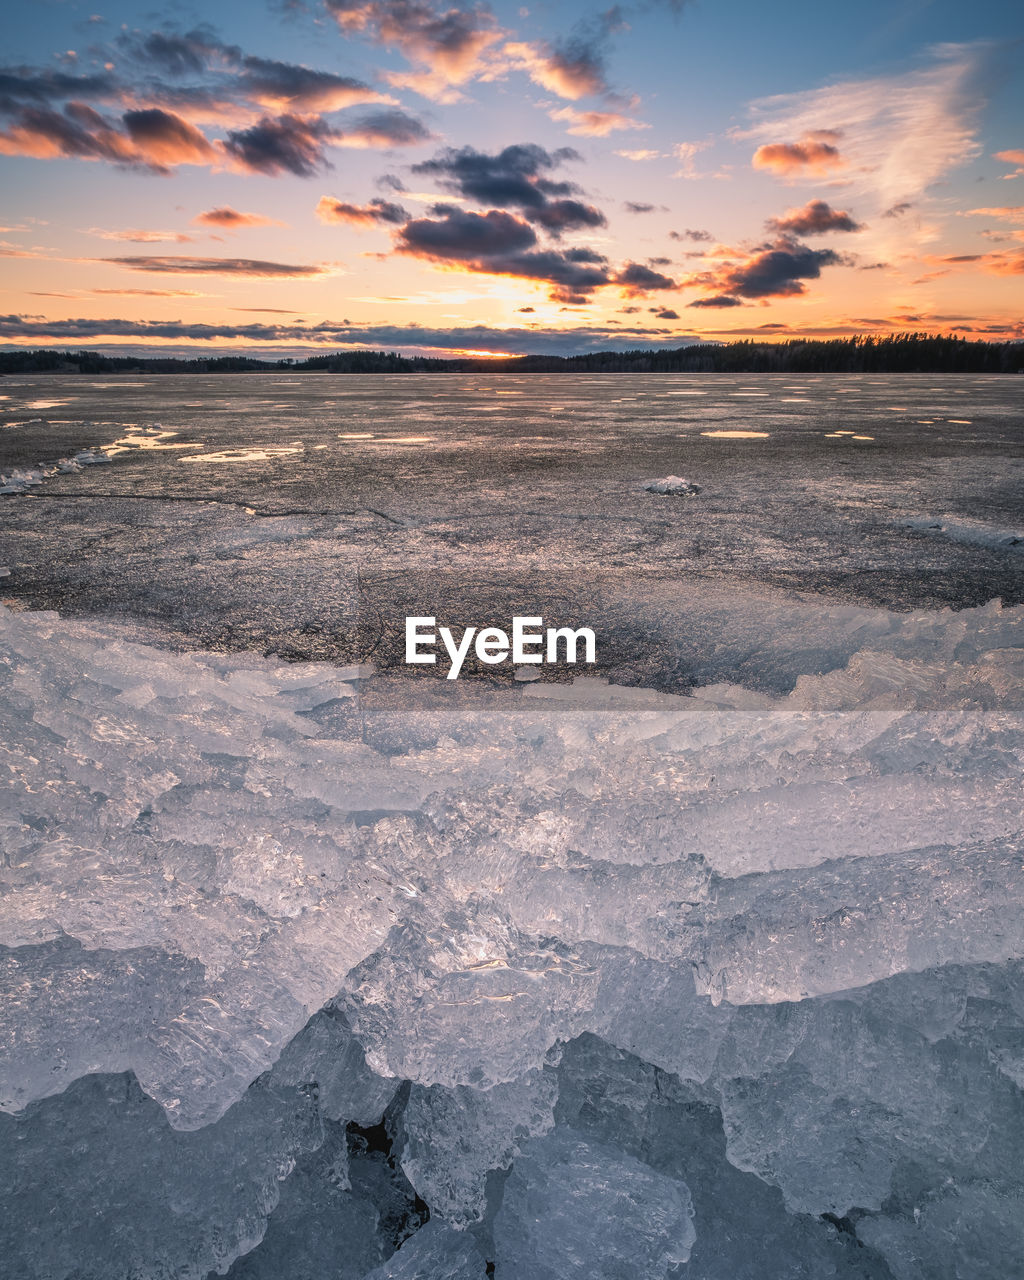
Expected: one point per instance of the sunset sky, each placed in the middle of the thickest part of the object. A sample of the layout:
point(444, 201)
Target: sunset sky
point(295, 177)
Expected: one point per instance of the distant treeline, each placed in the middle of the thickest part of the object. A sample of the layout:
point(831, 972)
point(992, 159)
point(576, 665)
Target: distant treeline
point(896, 353)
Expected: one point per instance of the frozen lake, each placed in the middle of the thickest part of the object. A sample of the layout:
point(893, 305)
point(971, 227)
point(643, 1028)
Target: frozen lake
point(304, 514)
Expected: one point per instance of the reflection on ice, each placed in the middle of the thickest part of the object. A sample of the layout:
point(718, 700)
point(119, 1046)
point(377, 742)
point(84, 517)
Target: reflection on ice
point(146, 438)
point(267, 453)
point(737, 435)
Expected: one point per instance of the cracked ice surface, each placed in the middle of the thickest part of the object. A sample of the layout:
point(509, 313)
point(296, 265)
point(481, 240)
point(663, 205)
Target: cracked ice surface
point(665, 954)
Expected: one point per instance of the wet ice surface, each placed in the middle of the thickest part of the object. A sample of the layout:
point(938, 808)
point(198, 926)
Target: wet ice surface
point(707, 965)
point(342, 503)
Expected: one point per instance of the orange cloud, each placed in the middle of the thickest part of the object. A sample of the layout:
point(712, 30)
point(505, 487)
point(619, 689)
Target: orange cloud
point(151, 293)
point(164, 139)
point(9, 250)
point(228, 219)
point(154, 139)
point(79, 132)
point(1005, 264)
point(375, 213)
point(1014, 213)
point(568, 76)
point(135, 236)
point(282, 86)
point(595, 124)
point(814, 154)
point(1012, 157)
point(449, 45)
point(996, 262)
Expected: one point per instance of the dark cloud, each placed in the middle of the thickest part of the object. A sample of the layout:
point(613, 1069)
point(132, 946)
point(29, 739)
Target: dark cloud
point(778, 271)
point(898, 210)
point(165, 140)
point(637, 206)
point(572, 275)
point(555, 341)
point(698, 237)
point(514, 176)
point(517, 177)
point(30, 85)
point(295, 88)
point(180, 265)
point(771, 271)
point(814, 219)
point(636, 280)
point(665, 313)
point(287, 144)
point(558, 216)
point(176, 54)
point(459, 235)
point(285, 86)
point(500, 243)
point(78, 133)
point(721, 301)
point(390, 128)
point(152, 139)
point(374, 213)
point(574, 67)
point(48, 113)
point(504, 242)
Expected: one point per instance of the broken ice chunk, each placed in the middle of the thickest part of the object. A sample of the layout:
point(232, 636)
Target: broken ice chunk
point(578, 1210)
point(675, 485)
point(435, 1252)
point(453, 1137)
